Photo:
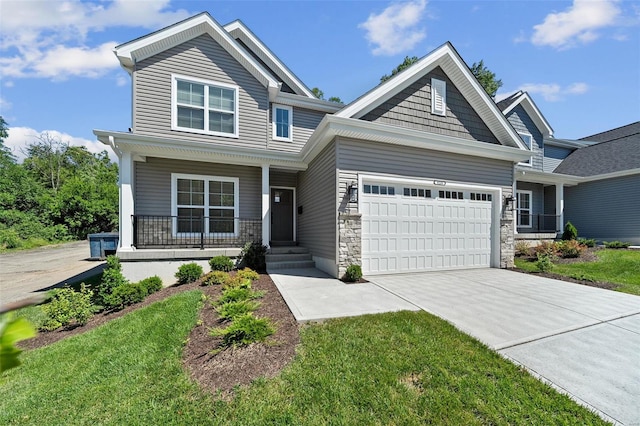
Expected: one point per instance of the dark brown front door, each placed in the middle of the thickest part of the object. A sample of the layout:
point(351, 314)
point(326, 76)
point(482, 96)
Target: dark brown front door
point(281, 214)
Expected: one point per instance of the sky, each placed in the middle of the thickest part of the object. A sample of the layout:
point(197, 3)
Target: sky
point(579, 60)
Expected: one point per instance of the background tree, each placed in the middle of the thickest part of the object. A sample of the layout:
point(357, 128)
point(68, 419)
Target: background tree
point(408, 61)
point(486, 78)
point(320, 95)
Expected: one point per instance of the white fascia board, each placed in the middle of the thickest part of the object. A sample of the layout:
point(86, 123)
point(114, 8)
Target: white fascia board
point(531, 108)
point(621, 173)
point(332, 126)
point(568, 143)
point(308, 103)
point(545, 178)
point(153, 146)
point(239, 29)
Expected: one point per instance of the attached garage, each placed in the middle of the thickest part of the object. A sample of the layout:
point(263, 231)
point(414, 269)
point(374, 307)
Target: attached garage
point(411, 226)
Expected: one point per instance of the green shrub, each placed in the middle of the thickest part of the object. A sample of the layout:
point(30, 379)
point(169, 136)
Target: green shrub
point(152, 284)
point(244, 330)
point(111, 278)
point(353, 273)
point(588, 242)
point(237, 282)
point(570, 232)
point(188, 273)
point(522, 248)
point(616, 244)
point(67, 305)
point(253, 255)
point(546, 247)
point(232, 310)
point(570, 248)
point(127, 294)
point(216, 278)
point(236, 294)
point(249, 274)
point(221, 263)
point(544, 263)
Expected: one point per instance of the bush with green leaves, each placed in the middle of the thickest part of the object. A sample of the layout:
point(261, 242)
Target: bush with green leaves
point(253, 255)
point(216, 278)
point(588, 242)
point(111, 278)
point(522, 248)
point(67, 305)
point(188, 273)
point(616, 244)
point(570, 232)
point(237, 282)
point(12, 330)
point(152, 284)
point(544, 263)
point(232, 310)
point(570, 248)
point(546, 248)
point(236, 294)
point(248, 273)
point(127, 294)
point(353, 273)
point(221, 263)
point(244, 330)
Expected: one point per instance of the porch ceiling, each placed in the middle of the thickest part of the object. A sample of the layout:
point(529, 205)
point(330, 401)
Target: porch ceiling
point(534, 176)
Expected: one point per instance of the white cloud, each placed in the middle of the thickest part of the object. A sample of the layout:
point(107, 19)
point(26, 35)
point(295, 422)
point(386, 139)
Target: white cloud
point(553, 92)
point(20, 137)
point(395, 29)
point(4, 105)
point(578, 24)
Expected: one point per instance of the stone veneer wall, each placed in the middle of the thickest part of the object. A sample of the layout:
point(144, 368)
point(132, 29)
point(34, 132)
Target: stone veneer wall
point(349, 241)
point(507, 240)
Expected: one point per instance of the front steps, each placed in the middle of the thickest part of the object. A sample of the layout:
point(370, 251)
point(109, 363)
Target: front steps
point(291, 257)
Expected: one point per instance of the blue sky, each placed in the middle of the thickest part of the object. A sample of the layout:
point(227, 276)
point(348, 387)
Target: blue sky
point(579, 59)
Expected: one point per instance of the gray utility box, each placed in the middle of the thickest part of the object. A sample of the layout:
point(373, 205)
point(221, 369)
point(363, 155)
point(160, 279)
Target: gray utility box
point(103, 244)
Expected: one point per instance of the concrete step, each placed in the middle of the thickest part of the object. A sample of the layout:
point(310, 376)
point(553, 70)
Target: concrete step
point(288, 250)
point(287, 257)
point(293, 264)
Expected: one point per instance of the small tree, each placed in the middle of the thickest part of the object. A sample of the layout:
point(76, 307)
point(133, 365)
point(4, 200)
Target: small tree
point(486, 78)
point(408, 61)
point(570, 232)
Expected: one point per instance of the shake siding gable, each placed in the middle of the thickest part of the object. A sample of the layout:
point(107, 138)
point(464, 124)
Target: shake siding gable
point(521, 122)
point(202, 58)
point(411, 108)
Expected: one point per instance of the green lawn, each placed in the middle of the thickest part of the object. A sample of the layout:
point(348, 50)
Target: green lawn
point(614, 266)
point(397, 368)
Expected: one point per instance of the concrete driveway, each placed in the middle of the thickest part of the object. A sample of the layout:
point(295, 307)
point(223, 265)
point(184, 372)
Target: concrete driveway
point(582, 340)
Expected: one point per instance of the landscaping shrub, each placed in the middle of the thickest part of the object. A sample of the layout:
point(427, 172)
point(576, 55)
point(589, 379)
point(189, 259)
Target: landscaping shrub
point(353, 273)
point(111, 278)
point(588, 242)
point(253, 255)
point(244, 330)
point(522, 248)
point(221, 263)
point(188, 273)
point(67, 305)
point(152, 284)
point(237, 282)
point(570, 248)
point(249, 274)
point(544, 263)
point(216, 278)
point(570, 232)
point(235, 294)
point(616, 244)
point(232, 310)
point(545, 247)
point(127, 294)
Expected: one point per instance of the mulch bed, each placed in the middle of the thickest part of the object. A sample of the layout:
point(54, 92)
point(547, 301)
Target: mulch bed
point(221, 372)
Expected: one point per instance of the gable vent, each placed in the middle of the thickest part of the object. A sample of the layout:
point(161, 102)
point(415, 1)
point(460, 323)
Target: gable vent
point(438, 97)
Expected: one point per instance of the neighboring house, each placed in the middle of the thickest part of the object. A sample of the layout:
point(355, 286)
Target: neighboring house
point(227, 146)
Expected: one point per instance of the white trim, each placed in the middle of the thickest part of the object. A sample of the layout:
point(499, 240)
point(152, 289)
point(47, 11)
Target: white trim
point(315, 104)
point(611, 175)
point(294, 215)
point(528, 163)
point(207, 84)
point(265, 204)
point(127, 201)
point(547, 178)
point(532, 110)
point(274, 129)
point(205, 206)
point(438, 92)
point(519, 209)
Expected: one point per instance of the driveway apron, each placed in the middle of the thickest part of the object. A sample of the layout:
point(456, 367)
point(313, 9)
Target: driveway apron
point(584, 341)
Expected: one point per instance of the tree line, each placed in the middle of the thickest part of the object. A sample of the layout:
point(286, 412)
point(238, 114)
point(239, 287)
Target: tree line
point(58, 193)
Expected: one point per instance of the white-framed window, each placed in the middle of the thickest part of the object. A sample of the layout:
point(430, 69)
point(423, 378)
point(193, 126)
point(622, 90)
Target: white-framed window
point(208, 204)
point(523, 207)
point(282, 118)
point(451, 195)
point(438, 97)
point(206, 107)
point(416, 192)
point(379, 189)
point(528, 141)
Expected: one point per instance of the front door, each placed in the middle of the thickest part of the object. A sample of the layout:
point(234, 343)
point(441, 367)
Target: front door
point(281, 214)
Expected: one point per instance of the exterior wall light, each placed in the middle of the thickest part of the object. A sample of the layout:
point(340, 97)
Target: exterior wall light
point(353, 192)
point(509, 203)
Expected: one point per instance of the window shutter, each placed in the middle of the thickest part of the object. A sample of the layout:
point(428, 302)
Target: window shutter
point(438, 97)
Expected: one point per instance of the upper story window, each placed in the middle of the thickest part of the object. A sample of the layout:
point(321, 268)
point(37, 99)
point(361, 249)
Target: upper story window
point(438, 97)
point(282, 117)
point(206, 107)
point(528, 141)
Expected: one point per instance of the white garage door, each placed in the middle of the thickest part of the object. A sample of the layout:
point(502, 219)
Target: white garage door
point(408, 228)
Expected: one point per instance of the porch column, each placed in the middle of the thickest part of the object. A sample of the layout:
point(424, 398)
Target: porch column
point(126, 201)
point(560, 206)
point(266, 198)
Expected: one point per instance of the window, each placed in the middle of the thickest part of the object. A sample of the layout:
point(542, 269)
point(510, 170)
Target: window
point(528, 141)
point(379, 190)
point(451, 195)
point(204, 107)
point(282, 117)
point(480, 196)
point(417, 192)
point(523, 208)
point(206, 204)
point(438, 97)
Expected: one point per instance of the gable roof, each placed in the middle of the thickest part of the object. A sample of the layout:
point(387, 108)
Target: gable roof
point(447, 58)
point(522, 98)
point(144, 47)
point(620, 152)
point(238, 30)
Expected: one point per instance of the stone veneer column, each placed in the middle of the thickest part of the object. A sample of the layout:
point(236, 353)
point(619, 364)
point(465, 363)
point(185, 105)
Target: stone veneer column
point(507, 237)
point(349, 240)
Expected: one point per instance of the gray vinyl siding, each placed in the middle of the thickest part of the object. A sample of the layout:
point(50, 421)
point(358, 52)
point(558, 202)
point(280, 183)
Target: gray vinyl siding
point(304, 123)
point(281, 178)
point(521, 122)
point(411, 108)
point(316, 196)
point(153, 184)
point(202, 58)
point(553, 156)
point(605, 209)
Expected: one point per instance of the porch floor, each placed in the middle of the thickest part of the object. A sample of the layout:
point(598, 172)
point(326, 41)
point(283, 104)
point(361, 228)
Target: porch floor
point(176, 254)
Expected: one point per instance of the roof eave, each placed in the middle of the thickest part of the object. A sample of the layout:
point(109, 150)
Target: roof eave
point(534, 112)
